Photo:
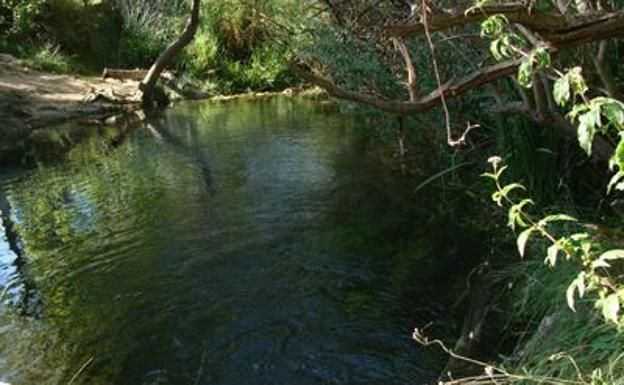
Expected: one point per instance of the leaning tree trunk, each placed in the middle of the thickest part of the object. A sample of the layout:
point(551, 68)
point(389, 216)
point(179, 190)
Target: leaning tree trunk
point(148, 85)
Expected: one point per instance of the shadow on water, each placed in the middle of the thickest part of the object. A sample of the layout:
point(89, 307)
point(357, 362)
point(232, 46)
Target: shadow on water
point(267, 242)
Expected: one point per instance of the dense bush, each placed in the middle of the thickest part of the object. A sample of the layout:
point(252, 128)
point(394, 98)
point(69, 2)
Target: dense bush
point(138, 48)
point(242, 45)
point(20, 18)
point(239, 46)
point(49, 58)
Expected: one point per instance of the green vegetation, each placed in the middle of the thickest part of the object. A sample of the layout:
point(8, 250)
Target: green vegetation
point(240, 45)
point(541, 83)
point(50, 59)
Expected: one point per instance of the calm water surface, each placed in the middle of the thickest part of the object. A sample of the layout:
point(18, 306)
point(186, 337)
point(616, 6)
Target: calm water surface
point(270, 242)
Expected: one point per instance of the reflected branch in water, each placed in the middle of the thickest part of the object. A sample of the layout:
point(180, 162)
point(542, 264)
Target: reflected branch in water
point(192, 150)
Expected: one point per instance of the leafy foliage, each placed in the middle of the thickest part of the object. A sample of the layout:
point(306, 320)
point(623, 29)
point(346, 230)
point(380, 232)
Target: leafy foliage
point(594, 274)
point(593, 262)
point(49, 58)
point(19, 18)
point(242, 45)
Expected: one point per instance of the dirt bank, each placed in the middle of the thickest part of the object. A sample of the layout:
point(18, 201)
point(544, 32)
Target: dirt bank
point(31, 99)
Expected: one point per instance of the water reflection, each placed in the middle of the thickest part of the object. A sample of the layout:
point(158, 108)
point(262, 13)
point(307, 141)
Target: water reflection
point(238, 243)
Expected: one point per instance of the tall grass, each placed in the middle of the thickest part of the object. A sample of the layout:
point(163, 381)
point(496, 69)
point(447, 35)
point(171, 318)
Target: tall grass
point(49, 58)
point(242, 46)
point(554, 341)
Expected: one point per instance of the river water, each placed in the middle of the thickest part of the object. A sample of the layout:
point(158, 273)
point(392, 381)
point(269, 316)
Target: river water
point(266, 242)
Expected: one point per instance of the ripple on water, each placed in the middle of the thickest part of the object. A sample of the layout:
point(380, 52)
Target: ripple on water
point(253, 243)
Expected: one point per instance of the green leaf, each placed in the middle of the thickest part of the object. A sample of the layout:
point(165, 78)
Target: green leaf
point(542, 57)
point(588, 122)
point(570, 295)
point(552, 253)
point(493, 26)
point(613, 110)
point(500, 171)
point(612, 255)
point(618, 155)
point(497, 50)
point(515, 214)
point(498, 198)
point(558, 218)
point(600, 263)
point(577, 284)
point(580, 283)
point(510, 187)
point(561, 91)
point(512, 217)
point(577, 110)
point(577, 82)
point(614, 180)
point(525, 73)
point(579, 237)
point(523, 238)
point(611, 308)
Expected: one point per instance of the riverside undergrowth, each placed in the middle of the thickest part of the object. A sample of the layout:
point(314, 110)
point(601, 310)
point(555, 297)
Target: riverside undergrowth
point(567, 288)
point(240, 46)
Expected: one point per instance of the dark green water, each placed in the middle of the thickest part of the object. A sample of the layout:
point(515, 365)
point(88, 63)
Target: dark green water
point(269, 242)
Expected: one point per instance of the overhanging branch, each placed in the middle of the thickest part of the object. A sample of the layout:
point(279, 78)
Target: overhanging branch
point(546, 24)
point(450, 89)
point(585, 33)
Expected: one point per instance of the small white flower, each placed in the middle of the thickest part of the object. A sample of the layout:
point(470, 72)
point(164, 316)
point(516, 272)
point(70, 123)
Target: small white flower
point(494, 160)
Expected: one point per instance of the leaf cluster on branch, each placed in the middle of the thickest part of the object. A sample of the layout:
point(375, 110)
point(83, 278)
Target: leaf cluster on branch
point(559, 30)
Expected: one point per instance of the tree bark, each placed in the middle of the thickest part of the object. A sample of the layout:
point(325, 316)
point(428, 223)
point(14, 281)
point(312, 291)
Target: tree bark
point(425, 103)
point(549, 25)
point(610, 25)
point(147, 86)
point(412, 86)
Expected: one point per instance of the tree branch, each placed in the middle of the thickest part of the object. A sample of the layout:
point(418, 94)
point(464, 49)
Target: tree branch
point(450, 89)
point(591, 31)
point(412, 86)
point(148, 84)
point(546, 24)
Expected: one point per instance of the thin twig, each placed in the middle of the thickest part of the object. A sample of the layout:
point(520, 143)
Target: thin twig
point(82, 368)
point(201, 367)
point(424, 8)
point(490, 375)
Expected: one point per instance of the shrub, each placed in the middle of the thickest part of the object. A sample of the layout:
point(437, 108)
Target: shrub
point(139, 48)
point(19, 18)
point(202, 54)
point(49, 58)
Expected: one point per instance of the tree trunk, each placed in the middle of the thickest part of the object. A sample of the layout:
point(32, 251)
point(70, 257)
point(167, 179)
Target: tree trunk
point(148, 84)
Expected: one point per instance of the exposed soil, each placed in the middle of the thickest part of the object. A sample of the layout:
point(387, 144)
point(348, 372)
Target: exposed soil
point(31, 99)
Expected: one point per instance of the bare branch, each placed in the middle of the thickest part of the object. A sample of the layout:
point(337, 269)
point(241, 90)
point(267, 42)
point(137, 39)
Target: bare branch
point(449, 90)
point(409, 66)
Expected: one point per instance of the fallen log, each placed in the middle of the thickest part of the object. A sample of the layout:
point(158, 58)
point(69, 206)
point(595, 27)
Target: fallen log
point(136, 74)
point(177, 85)
point(183, 88)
